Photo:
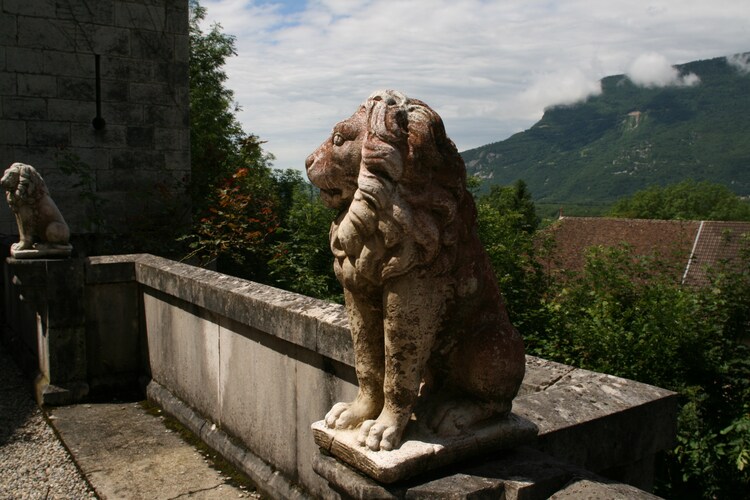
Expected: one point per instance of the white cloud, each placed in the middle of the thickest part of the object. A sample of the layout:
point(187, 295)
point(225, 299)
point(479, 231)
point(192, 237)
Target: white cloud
point(489, 68)
point(562, 87)
point(741, 62)
point(654, 70)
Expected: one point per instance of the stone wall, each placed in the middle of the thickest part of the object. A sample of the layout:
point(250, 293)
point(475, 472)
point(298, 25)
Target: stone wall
point(249, 367)
point(48, 88)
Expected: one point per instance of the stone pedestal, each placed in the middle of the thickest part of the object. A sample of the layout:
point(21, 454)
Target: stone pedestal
point(48, 324)
point(598, 436)
point(523, 473)
point(421, 450)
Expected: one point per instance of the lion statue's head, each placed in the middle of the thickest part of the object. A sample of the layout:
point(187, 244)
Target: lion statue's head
point(400, 184)
point(23, 185)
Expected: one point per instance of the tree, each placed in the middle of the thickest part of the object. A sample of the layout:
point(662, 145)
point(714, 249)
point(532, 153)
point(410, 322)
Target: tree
point(626, 315)
point(302, 259)
point(687, 200)
point(507, 220)
point(218, 144)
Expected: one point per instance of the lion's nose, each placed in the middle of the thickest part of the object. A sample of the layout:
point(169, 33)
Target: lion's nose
point(309, 161)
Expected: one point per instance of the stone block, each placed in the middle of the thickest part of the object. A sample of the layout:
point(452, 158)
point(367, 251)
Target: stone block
point(177, 20)
point(542, 374)
point(87, 11)
point(601, 422)
point(113, 340)
point(177, 160)
point(52, 289)
point(151, 45)
point(68, 63)
point(23, 60)
point(133, 181)
point(37, 85)
point(13, 132)
point(122, 113)
point(182, 48)
point(170, 139)
point(8, 31)
point(320, 383)
point(46, 33)
point(421, 450)
point(8, 84)
point(166, 116)
point(102, 39)
point(39, 8)
point(258, 393)
point(590, 488)
point(458, 487)
point(140, 137)
point(48, 133)
point(70, 110)
point(132, 15)
point(171, 72)
point(81, 89)
point(84, 135)
point(183, 349)
point(111, 269)
point(24, 108)
point(151, 93)
point(119, 68)
point(138, 160)
point(114, 91)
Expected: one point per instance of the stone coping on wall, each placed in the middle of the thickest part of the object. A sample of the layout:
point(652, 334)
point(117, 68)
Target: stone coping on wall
point(597, 421)
point(317, 325)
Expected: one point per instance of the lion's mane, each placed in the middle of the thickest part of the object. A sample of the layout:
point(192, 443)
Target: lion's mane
point(410, 209)
point(24, 185)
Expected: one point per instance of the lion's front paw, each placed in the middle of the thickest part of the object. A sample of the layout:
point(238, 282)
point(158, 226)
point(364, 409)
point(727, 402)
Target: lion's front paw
point(382, 434)
point(22, 245)
point(349, 415)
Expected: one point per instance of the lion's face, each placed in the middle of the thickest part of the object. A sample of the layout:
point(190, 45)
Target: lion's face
point(334, 166)
point(10, 179)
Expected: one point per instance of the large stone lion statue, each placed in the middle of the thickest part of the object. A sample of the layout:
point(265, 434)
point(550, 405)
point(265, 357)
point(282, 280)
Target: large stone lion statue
point(431, 334)
point(40, 224)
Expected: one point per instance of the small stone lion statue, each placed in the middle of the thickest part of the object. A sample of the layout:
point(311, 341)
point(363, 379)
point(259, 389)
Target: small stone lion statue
point(431, 335)
point(41, 226)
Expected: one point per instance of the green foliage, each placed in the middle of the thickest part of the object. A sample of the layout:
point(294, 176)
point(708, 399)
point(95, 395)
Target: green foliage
point(688, 200)
point(238, 224)
point(218, 145)
point(302, 261)
point(630, 137)
point(506, 220)
point(626, 315)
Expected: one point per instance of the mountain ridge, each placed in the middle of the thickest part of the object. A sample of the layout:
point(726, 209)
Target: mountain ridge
point(629, 137)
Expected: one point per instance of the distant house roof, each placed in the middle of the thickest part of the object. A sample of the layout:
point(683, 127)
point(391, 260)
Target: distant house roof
point(692, 246)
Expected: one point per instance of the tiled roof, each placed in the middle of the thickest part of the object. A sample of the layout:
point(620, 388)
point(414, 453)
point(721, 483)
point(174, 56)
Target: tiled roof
point(718, 243)
point(673, 240)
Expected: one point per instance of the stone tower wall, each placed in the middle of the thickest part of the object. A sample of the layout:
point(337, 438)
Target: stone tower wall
point(48, 88)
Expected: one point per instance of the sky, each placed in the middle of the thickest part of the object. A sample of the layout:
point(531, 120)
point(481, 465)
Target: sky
point(489, 68)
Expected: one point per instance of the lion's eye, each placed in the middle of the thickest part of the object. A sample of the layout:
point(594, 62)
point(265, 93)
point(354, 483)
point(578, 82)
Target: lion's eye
point(338, 139)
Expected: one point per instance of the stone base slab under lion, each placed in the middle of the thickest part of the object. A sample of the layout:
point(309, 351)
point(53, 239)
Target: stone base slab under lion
point(422, 450)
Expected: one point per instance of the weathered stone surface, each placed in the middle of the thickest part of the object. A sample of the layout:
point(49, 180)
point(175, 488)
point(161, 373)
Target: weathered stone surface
point(43, 231)
point(608, 425)
point(458, 487)
point(427, 319)
point(588, 489)
point(421, 449)
point(48, 98)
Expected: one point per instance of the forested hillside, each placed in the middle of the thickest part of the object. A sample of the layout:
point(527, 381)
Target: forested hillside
point(630, 137)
